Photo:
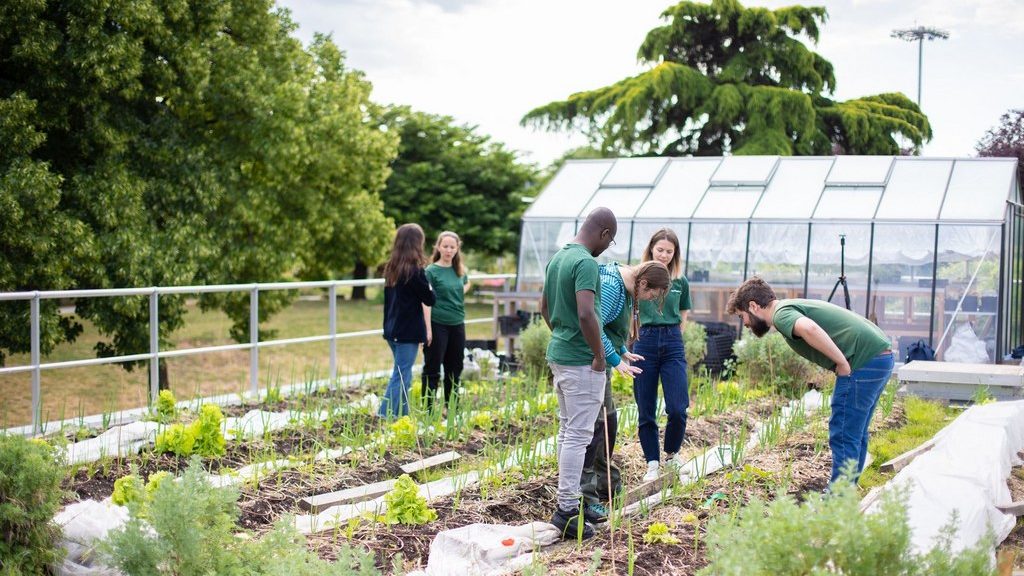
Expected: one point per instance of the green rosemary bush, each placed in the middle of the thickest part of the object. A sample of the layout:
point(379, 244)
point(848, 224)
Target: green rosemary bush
point(533, 343)
point(30, 494)
point(829, 535)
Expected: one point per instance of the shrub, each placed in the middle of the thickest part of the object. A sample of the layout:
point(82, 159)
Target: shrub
point(533, 346)
point(188, 529)
point(30, 477)
point(770, 361)
point(405, 505)
point(166, 406)
point(695, 342)
point(828, 535)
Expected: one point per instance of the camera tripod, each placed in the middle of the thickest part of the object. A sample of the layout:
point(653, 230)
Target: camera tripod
point(842, 274)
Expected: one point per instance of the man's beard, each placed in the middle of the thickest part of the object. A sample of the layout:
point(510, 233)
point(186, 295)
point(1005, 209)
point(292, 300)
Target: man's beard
point(758, 327)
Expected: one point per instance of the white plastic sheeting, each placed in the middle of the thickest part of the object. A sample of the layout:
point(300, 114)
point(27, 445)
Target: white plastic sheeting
point(85, 524)
point(965, 472)
point(486, 549)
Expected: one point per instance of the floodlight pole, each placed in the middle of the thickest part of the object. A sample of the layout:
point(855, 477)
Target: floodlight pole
point(919, 35)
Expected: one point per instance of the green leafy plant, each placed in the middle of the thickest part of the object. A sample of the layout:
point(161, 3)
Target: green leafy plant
point(695, 342)
point(403, 432)
point(406, 506)
point(166, 406)
point(829, 535)
point(128, 489)
point(176, 439)
point(771, 361)
point(533, 346)
point(30, 494)
point(483, 420)
point(209, 432)
point(658, 533)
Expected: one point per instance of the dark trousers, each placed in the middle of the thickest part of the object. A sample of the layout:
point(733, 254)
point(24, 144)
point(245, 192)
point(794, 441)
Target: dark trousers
point(446, 348)
point(664, 359)
point(596, 463)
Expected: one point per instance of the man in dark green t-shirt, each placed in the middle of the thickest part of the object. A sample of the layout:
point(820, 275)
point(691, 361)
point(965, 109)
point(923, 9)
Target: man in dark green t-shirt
point(576, 357)
point(837, 340)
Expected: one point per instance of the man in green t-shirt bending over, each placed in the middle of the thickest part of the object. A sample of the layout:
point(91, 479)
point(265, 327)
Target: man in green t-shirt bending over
point(837, 340)
point(575, 354)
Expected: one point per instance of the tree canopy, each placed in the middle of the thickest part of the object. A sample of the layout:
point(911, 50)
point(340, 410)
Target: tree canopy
point(177, 142)
point(723, 78)
point(1006, 140)
point(449, 177)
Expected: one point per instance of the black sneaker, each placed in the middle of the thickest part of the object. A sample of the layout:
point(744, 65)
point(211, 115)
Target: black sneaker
point(567, 523)
point(595, 513)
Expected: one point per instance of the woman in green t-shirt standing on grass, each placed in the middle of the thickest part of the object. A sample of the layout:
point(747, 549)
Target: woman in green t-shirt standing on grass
point(661, 345)
point(446, 320)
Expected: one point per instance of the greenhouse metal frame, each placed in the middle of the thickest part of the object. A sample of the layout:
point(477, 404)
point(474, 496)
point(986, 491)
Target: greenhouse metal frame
point(933, 246)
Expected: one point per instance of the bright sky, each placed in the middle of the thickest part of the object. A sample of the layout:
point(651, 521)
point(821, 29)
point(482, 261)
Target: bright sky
point(488, 62)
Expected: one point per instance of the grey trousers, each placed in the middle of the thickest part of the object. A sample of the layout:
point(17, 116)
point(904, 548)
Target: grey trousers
point(580, 393)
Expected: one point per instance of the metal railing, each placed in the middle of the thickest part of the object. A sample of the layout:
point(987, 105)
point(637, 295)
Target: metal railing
point(155, 354)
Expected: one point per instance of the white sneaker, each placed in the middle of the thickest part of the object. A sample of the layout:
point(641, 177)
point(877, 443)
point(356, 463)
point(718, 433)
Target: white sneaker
point(653, 471)
point(674, 460)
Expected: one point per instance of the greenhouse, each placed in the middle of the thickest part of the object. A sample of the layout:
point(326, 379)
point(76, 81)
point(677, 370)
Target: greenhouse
point(931, 248)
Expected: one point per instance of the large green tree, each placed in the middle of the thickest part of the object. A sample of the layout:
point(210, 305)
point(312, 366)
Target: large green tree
point(722, 78)
point(174, 142)
point(447, 176)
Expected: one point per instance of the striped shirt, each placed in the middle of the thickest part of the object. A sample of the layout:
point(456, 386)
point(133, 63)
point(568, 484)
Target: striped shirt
point(613, 300)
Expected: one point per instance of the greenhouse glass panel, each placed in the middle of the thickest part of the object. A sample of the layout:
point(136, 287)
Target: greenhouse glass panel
point(623, 202)
point(859, 171)
point(848, 203)
point(915, 190)
point(643, 230)
point(715, 266)
point(540, 241)
point(778, 253)
point(794, 189)
point(570, 189)
point(744, 170)
point(967, 291)
point(901, 277)
point(826, 260)
point(729, 202)
point(634, 172)
point(619, 251)
point(978, 190)
point(679, 190)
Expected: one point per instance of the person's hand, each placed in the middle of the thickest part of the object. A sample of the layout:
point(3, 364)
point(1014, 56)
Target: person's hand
point(430, 336)
point(843, 369)
point(628, 371)
point(598, 364)
point(630, 357)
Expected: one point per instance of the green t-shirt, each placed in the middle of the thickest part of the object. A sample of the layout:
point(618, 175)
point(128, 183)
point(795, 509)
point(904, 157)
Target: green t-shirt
point(570, 270)
point(450, 308)
point(676, 300)
point(857, 338)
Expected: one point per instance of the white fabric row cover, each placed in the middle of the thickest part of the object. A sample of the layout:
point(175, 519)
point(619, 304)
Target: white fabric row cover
point(899, 188)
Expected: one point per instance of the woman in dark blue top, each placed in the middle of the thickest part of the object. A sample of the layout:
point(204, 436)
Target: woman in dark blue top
point(406, 291)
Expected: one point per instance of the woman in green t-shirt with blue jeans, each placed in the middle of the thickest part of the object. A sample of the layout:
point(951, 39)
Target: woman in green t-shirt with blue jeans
point(446, 320)
point(661, 345)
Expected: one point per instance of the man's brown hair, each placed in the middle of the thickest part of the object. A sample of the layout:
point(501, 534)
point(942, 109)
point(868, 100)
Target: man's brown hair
point(753, 290)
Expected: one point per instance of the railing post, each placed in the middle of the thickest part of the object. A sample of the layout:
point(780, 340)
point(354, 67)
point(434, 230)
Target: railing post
point(154, 346)
point(37, 410)
point(254, 338)
point(332, 307)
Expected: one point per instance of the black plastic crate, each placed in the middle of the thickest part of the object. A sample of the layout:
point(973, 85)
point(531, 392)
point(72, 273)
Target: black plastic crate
point(510, 325)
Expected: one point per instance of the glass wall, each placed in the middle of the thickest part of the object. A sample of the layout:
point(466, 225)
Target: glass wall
point(717, 254)
point(825, 263)
point(642, 232)
point(539, 242)
point(967, 292)
point(778, 253)
point(901, 278)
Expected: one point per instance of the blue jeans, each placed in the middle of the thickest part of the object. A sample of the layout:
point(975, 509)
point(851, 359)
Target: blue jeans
point(853, 404)
point(664, 358)
point(396, 396)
